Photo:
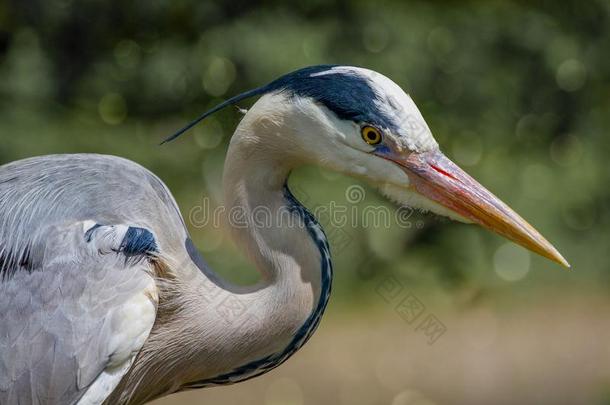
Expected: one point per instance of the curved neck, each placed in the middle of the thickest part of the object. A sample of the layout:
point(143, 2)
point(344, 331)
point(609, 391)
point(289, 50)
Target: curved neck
point(266, 222)
point(236, 333)
point(289, 249)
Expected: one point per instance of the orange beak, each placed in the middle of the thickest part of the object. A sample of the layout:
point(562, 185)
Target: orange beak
point(436, 177)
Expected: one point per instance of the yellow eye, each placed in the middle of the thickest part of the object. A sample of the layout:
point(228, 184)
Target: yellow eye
point(371, 135)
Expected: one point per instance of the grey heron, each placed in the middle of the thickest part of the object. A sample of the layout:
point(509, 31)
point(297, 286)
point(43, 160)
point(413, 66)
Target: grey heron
point(104, 297)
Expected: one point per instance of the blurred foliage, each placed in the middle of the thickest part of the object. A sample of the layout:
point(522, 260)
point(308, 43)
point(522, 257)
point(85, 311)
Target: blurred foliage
point(517, 93)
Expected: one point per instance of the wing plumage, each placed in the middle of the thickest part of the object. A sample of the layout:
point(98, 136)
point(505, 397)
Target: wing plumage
point(80, 237)
point(78, 319)
point(45, 191)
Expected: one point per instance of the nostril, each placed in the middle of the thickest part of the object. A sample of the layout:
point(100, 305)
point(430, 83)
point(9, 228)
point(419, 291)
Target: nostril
point(443, 172)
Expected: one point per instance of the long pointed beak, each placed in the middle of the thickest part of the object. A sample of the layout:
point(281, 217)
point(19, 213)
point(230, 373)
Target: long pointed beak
point(436, 177)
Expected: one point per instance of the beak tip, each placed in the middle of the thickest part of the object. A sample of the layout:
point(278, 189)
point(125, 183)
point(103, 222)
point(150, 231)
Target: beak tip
point(439, 179)
point(565, 263)
point(558, 258)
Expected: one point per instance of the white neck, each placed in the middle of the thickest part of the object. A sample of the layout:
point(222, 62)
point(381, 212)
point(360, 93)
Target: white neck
point(285, 244)
point(261, 221)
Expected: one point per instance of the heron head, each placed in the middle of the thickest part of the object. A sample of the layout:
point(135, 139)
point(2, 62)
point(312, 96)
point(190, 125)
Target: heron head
point(359, 122)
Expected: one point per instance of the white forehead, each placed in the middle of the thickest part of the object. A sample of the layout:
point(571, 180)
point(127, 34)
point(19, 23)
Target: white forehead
point(413, 132)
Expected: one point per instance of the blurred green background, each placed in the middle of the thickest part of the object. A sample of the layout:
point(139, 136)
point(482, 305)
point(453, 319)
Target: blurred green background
point(516, 93)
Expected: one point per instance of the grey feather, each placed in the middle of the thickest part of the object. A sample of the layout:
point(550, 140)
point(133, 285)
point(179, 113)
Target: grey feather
point(45, 191)
point(57, 351)
point(57, 305)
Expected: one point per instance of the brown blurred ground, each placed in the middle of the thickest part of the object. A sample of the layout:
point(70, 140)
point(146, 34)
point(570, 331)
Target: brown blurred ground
point(553, 350)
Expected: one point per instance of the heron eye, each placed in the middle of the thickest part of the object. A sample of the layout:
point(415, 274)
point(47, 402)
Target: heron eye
point(371, 135)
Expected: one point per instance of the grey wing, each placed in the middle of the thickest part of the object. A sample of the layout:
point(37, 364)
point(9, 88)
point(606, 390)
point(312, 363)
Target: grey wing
point(70, 329)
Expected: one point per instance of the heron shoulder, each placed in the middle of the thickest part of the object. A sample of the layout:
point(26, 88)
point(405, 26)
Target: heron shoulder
point(41, 192)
